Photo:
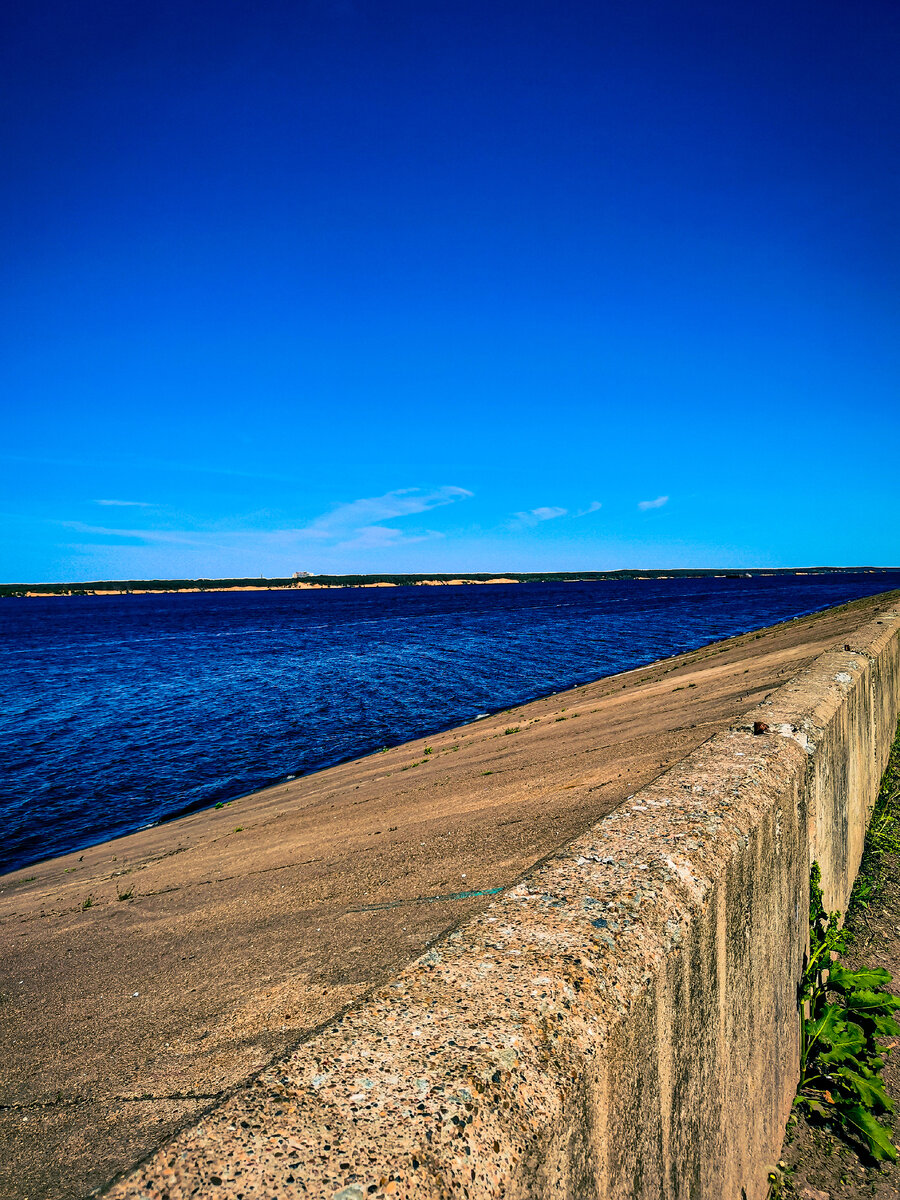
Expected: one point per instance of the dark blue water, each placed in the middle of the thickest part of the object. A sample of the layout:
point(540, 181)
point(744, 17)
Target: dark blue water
point(122, 711)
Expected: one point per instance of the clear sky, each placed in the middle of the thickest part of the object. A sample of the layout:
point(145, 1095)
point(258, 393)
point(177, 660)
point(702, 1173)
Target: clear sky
point(370, 285)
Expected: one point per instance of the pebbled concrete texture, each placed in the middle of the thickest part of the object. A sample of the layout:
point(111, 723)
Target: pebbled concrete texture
point(843, 711)
point(621, 1023)
point(124, 1022)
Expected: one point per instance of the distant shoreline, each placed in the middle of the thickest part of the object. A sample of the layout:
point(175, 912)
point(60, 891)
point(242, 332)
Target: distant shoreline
point(143, 587)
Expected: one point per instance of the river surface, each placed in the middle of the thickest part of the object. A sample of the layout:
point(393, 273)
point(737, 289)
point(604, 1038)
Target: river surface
point(119, 712)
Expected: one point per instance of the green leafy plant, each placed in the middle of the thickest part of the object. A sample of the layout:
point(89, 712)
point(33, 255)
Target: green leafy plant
point(125, 895)
point(511, 729)
point(844, 1014)
point(87, 903)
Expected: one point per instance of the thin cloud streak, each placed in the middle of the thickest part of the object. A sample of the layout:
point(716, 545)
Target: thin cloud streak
point(534, 516)
point(369, 511)
point(644, 505)
point(124, 503)
point(351, 526)
point(178, 537)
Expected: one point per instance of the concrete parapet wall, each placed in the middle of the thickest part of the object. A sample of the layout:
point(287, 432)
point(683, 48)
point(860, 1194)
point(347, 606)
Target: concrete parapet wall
point(621, 1024)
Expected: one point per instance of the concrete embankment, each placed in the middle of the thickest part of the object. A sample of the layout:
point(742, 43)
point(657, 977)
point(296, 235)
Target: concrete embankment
point(215, 943)
point(622, 1022)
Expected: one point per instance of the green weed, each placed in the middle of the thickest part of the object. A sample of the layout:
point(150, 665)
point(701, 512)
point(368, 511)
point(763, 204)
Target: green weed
point(844, 1015)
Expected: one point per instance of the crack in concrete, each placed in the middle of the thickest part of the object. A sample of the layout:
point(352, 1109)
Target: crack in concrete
point(73, 1101)
point(427, 899)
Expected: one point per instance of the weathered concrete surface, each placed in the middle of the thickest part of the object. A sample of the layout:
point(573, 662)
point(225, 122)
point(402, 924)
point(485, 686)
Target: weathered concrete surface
point(843, 710)
point(239, 944)
point(621, 1023)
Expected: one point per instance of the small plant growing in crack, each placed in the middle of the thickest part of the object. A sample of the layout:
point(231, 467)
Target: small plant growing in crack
point(126, 895)
point(844, 1014)
point(88, 902)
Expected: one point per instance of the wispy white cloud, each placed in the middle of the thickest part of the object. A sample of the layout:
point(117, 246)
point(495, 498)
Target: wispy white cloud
point(358, 515)
point(535, 515)
point(176, 536)
point(356, 525)
point(593, 507)
point(643, 505)
point(383, 537)
point(124, 503)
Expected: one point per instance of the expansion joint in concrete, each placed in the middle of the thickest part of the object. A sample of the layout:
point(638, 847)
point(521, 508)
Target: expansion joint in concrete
point(38, 1105)
point(74, 1101)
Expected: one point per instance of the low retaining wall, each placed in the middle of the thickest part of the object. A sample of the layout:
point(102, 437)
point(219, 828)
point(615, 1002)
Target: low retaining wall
point(621, 1024)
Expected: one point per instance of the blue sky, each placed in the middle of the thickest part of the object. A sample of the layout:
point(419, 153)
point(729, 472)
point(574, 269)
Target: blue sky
point(359, 286)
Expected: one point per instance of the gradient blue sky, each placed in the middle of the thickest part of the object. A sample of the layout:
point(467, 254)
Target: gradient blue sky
point(372, 285)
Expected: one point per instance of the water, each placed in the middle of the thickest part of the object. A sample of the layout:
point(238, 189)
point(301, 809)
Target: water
point(119, 712)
